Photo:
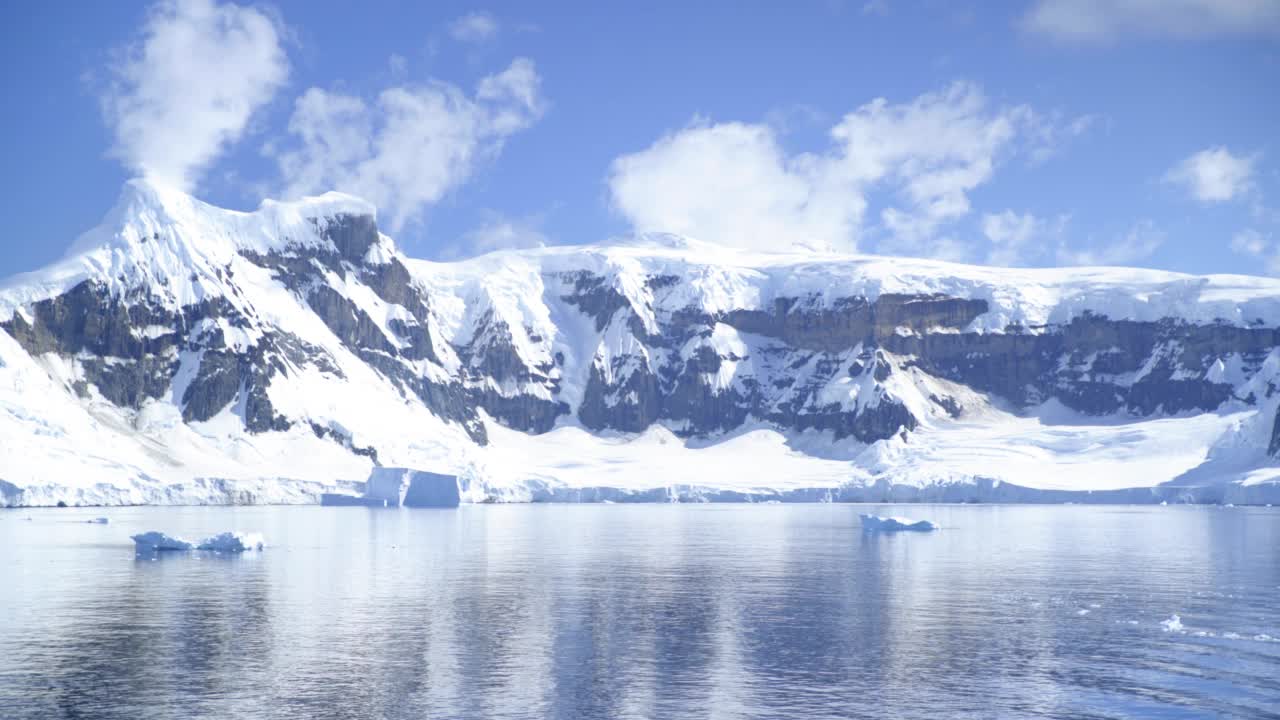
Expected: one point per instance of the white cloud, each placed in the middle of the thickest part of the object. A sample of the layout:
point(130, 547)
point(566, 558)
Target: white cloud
point(1097, 20)
point(1263, 247)
point(414, 145)
point(1213, 175)
point(732, 183)
point(1139, 243)
point(474, 27)
point(934, 151)
point(499, 232)
point(189, 86)
point(1019, 239)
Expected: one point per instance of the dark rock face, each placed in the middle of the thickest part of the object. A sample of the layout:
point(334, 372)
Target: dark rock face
point(593, 295)
point(630, 406)
point(1273, 448)
point(351, 324)
point(1091, 364)
point(680, 392)
point(344, 439)
point(850, 321)
point(352, 235)
point(490, 359)
point(1082, 363)
point(303, 271)
point(130, 348)
point(687, 369)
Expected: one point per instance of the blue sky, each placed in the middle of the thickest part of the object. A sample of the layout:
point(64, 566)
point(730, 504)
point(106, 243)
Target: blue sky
point(1036, 132)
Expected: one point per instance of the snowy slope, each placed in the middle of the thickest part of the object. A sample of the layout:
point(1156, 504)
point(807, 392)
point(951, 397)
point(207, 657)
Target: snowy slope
point(186, 353)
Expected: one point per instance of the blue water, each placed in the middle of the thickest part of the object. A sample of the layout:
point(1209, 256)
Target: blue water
point(625, 611)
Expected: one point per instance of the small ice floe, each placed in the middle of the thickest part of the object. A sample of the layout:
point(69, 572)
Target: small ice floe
point(1173, 624)
point(98, 521)
point(876, 523)
point(232, 542)
point(154, 541)
point(229, 542)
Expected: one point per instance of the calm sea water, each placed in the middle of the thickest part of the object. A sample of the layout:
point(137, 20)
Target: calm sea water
point(616, 611)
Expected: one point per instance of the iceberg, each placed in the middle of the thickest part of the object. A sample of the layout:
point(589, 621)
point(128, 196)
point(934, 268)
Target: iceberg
point(412, 488)
point(153, 541)
point(428, 489)
point(232, 542)
point(876, 523)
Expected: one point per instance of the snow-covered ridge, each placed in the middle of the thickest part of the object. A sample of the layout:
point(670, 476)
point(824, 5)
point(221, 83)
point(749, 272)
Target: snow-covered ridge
point(163, 240)
point(719, 279)
point(154, 233)
point(185, 353)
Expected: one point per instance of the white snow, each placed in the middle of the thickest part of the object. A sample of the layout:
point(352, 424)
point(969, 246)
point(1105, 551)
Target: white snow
point(877, 523)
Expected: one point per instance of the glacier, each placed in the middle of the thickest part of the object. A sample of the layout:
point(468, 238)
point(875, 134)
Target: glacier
point(182, 353)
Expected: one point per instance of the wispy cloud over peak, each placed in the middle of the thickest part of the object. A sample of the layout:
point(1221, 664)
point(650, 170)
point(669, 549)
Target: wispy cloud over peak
point(416, 143)
point(189, 86)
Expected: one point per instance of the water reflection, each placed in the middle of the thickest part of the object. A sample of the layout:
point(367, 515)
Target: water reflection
point(644, 611)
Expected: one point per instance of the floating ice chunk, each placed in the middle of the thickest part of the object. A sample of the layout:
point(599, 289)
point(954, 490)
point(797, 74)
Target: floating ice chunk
point(98, 521)
point(154, 540)
point(877, 523)
point(412, 488)
point(1173, 624)
point(232, 542)
point(222, 542)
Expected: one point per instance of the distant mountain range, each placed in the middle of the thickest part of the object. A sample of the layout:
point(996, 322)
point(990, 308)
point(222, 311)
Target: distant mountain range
point(184, 353)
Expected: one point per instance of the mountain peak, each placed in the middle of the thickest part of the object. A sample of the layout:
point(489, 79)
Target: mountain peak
point(141, 197)
point(162, 203)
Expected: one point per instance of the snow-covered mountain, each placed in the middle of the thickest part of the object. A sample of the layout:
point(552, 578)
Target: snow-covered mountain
point(186, 353)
